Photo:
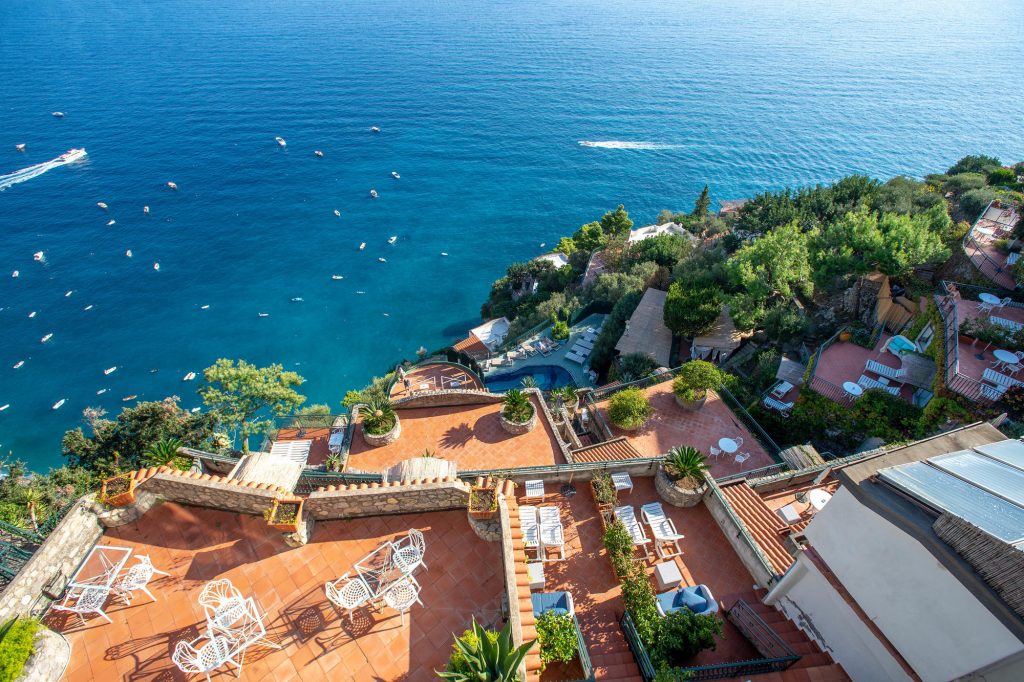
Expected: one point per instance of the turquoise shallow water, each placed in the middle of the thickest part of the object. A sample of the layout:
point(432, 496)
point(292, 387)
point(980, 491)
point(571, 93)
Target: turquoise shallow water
point(482, 105)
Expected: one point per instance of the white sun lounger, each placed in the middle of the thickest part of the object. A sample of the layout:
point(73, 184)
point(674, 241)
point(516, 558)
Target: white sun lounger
point(589, 345)
point(664, 530)
point(551, 532)
point(578, 359)
point(627, 516)
point(528, 524)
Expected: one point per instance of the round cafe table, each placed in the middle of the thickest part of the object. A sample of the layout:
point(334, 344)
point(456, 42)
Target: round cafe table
point(1006, 356)
point(991, 299)
point(853, 389)
point(728, 445)
point(818, 498)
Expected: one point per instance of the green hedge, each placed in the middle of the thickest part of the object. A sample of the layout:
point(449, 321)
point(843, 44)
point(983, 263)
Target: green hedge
point(17, 640)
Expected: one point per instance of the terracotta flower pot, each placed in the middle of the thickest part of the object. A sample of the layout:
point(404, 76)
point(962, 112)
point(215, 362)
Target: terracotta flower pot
point(383, 439)
point(119, 491)
point(276, 509)
point(692, 405)
point(483, 503)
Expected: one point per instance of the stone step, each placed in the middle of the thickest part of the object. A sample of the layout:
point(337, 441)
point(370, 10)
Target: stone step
point(618, 672)
point(814, 660)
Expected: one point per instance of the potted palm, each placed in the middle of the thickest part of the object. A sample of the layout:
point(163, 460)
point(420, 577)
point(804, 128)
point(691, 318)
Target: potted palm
point(285, 515)
point(379, 424)
point(518, 414)
point(629, 409)
point(693, 382)
point(118, 491)
point(680, 481)
point(570, 398)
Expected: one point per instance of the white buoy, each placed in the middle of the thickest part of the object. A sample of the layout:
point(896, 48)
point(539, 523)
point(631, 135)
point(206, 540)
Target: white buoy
point(128, 253)
point(145, 209)
point(156, 266)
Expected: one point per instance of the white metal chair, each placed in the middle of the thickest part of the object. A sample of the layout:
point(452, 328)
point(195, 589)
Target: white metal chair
point(245, 633)
point(622, 481)
point(408, 552)
point(215, 653)
point(348, 593)
point(402, 595)
point(551, 532)
point(534, 490)
point(742, 457)
point(739, 441)
point(715, 452)
point(627, 516)
point(664, 530)
point(88, 599)
point(222, 602)
point(528, 524)
point(137, 578)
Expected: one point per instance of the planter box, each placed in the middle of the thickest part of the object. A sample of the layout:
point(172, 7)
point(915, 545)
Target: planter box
point(122, 498)
point(517, 429)
point(379, 441)
point(674, 495)
point(691, 405)
point(602, 506)
point(288, 526)
point(483, 514)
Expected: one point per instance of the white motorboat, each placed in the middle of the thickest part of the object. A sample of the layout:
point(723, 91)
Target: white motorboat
point(444, 253)
point(102, 205)
point(156, 266)
point(145, 209)
point(319, 153)
point(281, 142)
point(58, 114)
point(31, 314)
point(205, 307)
point(298, 299)
point(189, 377)
point(56, 405)
point(337, 213)
point(20, 147)
point(392, 240)
point(362, 246)
point(264, 314)
point(68, 293)
point(4, 407)
point(111, 223)
point(46, 338)
point(71, 155)
point(395, 175)
point(110, 370)
point(102, 391)
point(88, 307)
point(172, 185)
point(337, 277)
point(383, 260)
point(18, 364)
point(128, 253)
point(38, 256)
point(129, 397)
point(373, 194)
point(15, 274)
point(374, 129)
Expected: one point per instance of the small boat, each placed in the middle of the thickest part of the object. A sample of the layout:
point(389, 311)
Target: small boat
point(374, 129)
point(444, 253)
point(395, 175)
point(88, 307)
point(318, 154)
point(58, 114)
point(360, 292)
point(4, 407)
point(46, 338)
point(263, 314)
point(15, 274)
point(382, 260)
point(102, 205)
point(68, 293)
point(111, 223)
point(20, 147)
point(337, 213)
point(18, 364)
point(71, 155)
point(298, 299)
point(386, 314)
point(337, 277)
point(189, 377)
point(127, 398)
point(392, 239)
point(205, 307)
point(31, 314)
point(154, 370)
point(362, 246)
point(145, 209)
point(281, 142)
point(128, 253)
point(172, 185)
point(373, 194)
point(38, 256)
point(110, 370)
point(156, 266)
point(102, 391)
point(56, 405)
point(195, 409)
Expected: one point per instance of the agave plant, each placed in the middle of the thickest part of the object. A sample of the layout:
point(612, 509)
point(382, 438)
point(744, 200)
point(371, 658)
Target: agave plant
point(379, 415)
point(164, 451)
point(518, 407)
point(528, 381)
point(487, 658)
point(566, 393)
point(686, 462)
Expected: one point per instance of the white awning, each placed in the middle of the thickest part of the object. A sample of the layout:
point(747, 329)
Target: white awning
point(294, 450)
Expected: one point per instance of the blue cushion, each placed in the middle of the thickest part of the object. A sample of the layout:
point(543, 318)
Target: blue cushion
point(691, 600)
point(557, 610)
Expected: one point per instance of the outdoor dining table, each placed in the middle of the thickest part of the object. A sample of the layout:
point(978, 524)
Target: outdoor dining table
point(853, 389)
point(1006, 357)
point(378, 570)
point(728, 445)
point(100, 567)
point(991, 299)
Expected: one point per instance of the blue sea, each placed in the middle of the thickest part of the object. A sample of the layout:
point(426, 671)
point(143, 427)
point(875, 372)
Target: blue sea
point(481, 105)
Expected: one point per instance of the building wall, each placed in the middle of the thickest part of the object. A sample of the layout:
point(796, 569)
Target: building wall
point(935, 623)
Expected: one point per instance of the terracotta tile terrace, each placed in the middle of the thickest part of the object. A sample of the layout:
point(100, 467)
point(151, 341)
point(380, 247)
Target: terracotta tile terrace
point(845, 361)
point(672, 425)
point(318, 449)
point(471, 436)
point(434, 377)
point(996, 223)
point(194, 545)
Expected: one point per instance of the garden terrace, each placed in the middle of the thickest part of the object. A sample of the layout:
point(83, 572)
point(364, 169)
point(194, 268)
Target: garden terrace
point(671, 425)
point(839, 362)
point(994, 224)
point(435, 377)
point(319, 437)
point(198, 545)
point(469, 435)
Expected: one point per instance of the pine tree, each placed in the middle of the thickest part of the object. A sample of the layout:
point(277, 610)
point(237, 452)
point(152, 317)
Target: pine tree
point(700, 209)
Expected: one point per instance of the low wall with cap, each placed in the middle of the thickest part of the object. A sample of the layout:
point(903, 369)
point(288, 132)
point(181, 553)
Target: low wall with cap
point(376, 499)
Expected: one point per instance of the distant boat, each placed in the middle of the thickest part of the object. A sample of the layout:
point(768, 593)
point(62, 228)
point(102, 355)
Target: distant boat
point(189, 377)
point(31, 314)
point(444, 253)
point(68, 293)
point(337, 213)
point(281, 142)
point(263, 314)
point(102, 391)
point(127, 398)
point(111, 222)
point(156, 266)
point(195, 409)
point(392, 239)
point(386, 314)
point(56, 405)
point(360, 292)
point(20, 147)
point(145, 209)
point(46, 338)
point(337, 277)
point(395, 175)
point(298, 299)
point(319, 153)
point(205, 307)
point(102, 205)
point(374, 129)
point(15, 274)
point(373, 194)
point(362, 246)
point(172, 185)
point(38, 256)
point(58, 114)
point(88, 307)
point(4, 407)
point(110, 370)
point(18, 364)
point(128, 253)
point(383, 260)
point(71, 155)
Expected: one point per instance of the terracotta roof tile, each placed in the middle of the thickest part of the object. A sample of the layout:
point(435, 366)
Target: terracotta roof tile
point(609, 451)
point(761, 522)
point(471, 346)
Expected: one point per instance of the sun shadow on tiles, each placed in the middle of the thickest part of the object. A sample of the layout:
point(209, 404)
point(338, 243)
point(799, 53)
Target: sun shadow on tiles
point(457, 436)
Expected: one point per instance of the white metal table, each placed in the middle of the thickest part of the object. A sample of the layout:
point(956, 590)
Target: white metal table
point(378, 569)
point(100, 566)
point(991, 299)
point(1005, 357)
point(728, 445)
point(853, 389)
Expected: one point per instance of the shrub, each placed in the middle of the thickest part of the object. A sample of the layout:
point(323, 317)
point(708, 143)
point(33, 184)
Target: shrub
point(633, 366)
point(682, 634)
point(560, 330)
point(517, 407)
point(1002, 176)
point(691, 310)
point(481, 654)
point(379, 416)
point(695, 379)
point(974, 164)
point(785, 322)
point(638, 596)
point(973, 202)
point(604, 488)
point(17, 640)
point(686, 464)
point(885, 416)
point(1018, 271)
point(629, 409)
point(556, 633)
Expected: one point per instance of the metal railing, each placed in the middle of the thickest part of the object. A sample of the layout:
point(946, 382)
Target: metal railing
point(581, 652)
point(993, 268)
point(771, 470)
point(12, 560)
point(636, 647)
point(767, 442)
point(310, 480)
point(956, 381)
point(555, 469)
point(765, 640)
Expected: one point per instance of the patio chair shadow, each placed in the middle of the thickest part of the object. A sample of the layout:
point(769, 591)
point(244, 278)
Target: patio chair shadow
point(304, 618)
point(457, 436)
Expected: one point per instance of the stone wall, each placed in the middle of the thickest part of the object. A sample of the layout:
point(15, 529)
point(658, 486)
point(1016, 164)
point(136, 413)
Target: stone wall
point(448, 398)
point(376, 499)
point(59, 555)
point(744, 545)
point(560, 473)
point(49, 659)
point(206, 491)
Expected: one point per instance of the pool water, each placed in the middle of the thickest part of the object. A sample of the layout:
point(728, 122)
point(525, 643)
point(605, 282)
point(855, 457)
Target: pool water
point(546, 377)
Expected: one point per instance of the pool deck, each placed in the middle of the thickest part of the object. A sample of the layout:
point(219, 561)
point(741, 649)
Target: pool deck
point(578, 372)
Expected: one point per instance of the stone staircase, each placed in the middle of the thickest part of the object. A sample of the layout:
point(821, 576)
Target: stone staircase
point(617, 666)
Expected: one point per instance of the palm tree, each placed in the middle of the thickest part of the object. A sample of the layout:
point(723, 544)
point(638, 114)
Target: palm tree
point(686, 463)
point(31, 498)
point(164, 451)
point(529, 382)
point(379, 417)
point(518, 407)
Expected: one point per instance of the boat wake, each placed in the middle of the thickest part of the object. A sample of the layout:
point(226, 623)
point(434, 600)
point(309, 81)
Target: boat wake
point(624, 144)
point(35, 171)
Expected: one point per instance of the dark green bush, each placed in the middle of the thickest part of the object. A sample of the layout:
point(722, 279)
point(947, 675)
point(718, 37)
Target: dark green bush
point(973, 202)
point(682, 635)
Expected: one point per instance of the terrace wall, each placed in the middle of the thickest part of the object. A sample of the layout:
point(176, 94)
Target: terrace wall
point(60, 554)
point(376, 499)
point(207, 491)
point(449, 397)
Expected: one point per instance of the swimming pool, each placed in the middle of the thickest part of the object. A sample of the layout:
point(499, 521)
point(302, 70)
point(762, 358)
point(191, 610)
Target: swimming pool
point(546, 376)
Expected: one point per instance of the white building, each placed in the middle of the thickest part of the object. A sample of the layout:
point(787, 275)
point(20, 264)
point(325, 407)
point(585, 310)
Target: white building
point(640, 234)
point(914, 570)
point(559, 260)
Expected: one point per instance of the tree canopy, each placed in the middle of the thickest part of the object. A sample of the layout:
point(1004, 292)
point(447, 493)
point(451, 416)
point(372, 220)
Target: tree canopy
point(703, 204)
point(691, 310)
point(616, 223)
point(974, 164)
